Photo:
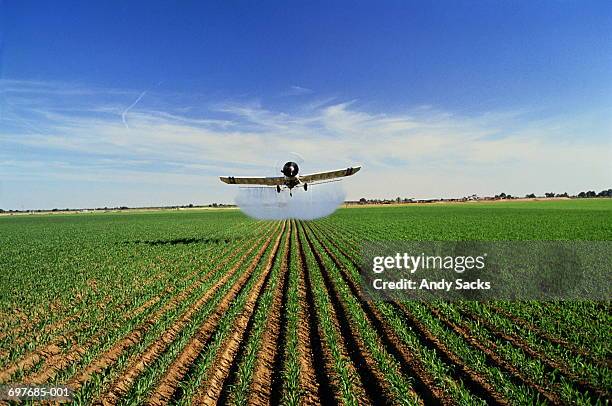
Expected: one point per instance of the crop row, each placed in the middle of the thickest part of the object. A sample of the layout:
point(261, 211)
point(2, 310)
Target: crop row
point(530, 369)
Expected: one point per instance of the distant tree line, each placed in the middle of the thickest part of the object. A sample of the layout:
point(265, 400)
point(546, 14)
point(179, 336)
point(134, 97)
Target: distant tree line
point(116, 208)
point(363, 200)
point(591, 193)
point(398, 199)
point(501, 196)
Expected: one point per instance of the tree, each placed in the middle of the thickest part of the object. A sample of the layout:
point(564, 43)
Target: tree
point(530, 196)
point(363, 200)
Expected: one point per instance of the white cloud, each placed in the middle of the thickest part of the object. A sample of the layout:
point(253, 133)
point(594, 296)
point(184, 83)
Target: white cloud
point(422, 152)
point(295, 90)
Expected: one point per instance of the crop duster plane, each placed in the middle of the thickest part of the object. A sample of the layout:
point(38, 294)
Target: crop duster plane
point(291, 179)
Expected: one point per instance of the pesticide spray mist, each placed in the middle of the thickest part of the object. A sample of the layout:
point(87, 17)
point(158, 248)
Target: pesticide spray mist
point(266, 204)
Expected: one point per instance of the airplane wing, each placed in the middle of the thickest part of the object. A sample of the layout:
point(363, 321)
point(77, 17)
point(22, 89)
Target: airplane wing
point(322, 176)
point(267, 181)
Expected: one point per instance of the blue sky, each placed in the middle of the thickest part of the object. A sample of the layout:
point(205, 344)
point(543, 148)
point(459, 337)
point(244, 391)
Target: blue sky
point(145, 103)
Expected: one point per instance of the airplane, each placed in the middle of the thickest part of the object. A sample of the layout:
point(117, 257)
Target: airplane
point(291, 179)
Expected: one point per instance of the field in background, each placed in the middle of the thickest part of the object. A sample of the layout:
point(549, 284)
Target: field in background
point(212, 307)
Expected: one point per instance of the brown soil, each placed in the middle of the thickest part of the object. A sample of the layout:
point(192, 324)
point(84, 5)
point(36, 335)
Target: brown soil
point(58, 325)
point(323, 348)
point(111, 356)
point(31, 327)
point(29, 361)
point(139, 362)
point(319, 381)
point(266, 373)
point(425, 384)
point(210, 389)
point(549, 337)
point(314, 382)
point(57, 363)
point(490, 351)
point(470, 378)
point(552, 366)
point(580, 384)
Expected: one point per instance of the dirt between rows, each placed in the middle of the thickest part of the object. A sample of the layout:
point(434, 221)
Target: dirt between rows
point(31, 328)
point(57, 363)
point(571, 347)
point(52, 353)
point(53, 360)
point(473, 381)
point(29, 361)
point(552, 366)
point(314, 382)
point(138, 362)
point(210, 389)
point(59, 324)
point(167, 385)
point(494, 359)
point(268, 364)
point(111, 356)
point(379, 385)
point(357, 387)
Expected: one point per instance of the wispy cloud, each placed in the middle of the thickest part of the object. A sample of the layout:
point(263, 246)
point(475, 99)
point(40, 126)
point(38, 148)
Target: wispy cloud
point(295, 90)
point(417, 152)
point(124, 113)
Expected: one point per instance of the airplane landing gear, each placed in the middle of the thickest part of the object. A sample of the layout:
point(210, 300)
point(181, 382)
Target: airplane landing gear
point(305, 187)
point(278, 190)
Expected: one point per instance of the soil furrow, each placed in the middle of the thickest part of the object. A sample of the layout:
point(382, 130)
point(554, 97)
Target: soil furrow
point(268, 367)
point(310, 377)
point(549, 337)
point(110, 356)
point(32, 328)
point(166, 387)
point(315, 362)
point(58, 325)
point(210, 390)
point(278, 339)
point(59, 362)
point(551, 366)
point(373, 379)
point(30, 361)
point(50, 353)
point(471, 379)
point(361, 389)
point(139, 362)
point(517, 376)
point(520, 378)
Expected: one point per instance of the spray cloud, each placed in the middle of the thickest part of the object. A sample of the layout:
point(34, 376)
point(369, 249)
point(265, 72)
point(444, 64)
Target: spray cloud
point(266, 204)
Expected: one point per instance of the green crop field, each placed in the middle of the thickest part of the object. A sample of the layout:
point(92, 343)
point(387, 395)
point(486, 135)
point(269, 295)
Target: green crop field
point(211, 307)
